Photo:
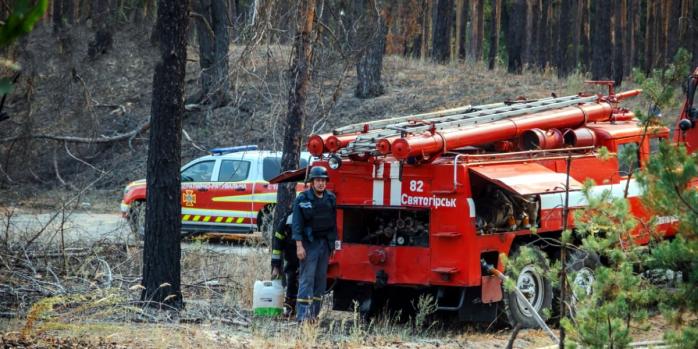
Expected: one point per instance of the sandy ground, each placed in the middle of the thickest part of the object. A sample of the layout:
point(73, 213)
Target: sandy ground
point(84, 227)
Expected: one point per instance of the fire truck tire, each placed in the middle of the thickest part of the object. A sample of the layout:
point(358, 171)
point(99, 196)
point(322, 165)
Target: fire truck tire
point(535, 286)
point(581, 266)
point(136, 219)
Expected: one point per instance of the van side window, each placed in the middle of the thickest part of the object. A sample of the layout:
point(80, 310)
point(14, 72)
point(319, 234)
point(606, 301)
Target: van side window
point(628, 158)
point(198, 172)
point(233, 170)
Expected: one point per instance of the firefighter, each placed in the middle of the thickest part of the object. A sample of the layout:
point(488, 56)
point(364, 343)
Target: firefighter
point(283, 248)
point(315, 231)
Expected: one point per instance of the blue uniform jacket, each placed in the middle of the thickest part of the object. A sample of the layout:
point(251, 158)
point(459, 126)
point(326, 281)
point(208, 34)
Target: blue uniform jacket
point(301, 226)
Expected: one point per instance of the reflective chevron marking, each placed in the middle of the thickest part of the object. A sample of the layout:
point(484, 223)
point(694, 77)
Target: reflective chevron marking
point(219, 219)
point(196, 218)
point(207, 218)
point(186, 217)
point(230, 219)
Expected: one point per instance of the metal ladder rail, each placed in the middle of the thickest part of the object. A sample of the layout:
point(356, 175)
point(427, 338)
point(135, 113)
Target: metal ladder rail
point(473, 118)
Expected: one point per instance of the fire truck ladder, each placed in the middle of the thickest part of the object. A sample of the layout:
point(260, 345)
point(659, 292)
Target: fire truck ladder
point(365, 143)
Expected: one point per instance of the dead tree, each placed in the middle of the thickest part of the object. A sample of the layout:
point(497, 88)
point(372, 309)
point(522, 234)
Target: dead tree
point(295, 117)
point(214, 40)
point(161, 249)
point(372, 31)
point(495, 27)
point(441, 37)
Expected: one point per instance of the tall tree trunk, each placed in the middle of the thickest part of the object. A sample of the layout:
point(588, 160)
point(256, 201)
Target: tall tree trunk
point(460, 22)
point(57, 15)
point(516, 19)
point(566, 55)
point(672, 25)
point(494, 33)
point(628, 36)
point(618, 47)
point(528, 44)
point(477, 26)
point(637, 33)
point(545, 34)
point(295, 118)
point(441, 43)
point(162, 249)
point(68, 10)
point(651, 35)
point(214, 40)
point(368, 68)
point(426, 29)
point(102, 16)
point(686, 25)
point(601, 41)
point(585, 36)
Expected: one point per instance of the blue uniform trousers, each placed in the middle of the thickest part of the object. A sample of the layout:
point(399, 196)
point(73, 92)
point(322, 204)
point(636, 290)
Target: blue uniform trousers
point(312, 279)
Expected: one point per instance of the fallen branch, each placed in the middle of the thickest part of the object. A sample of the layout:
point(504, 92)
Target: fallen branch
point(72, 139)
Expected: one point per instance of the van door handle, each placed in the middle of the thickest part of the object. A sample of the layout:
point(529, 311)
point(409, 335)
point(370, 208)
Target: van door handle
point(201, 189)
point(240, 189)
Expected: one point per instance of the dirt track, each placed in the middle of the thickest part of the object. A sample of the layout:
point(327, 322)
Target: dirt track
point(85, 227)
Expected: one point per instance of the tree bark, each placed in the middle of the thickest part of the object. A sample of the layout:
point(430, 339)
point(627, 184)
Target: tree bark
point(426, 24)
point(637, 33)
point(516, 20)
point(601, 41)
point(477, 28)
point(566, 55)
point(214, 40)
point(295, 118)
point(441, 43)
point(618, 46)
point(460, 23)
point(103, 39)
point(462, 30)
point(585, 36)
point(650, 35)
point(545, 34)
point(162, 249)
point(372, 32)
point(494, 33)
point(674, 14)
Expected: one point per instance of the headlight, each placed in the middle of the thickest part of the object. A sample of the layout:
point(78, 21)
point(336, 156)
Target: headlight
point(335, 161)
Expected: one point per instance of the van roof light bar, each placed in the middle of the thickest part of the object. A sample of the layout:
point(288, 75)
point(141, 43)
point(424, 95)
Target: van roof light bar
point(228, 150)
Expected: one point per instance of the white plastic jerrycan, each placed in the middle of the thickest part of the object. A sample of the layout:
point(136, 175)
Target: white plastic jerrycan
point(268, 298)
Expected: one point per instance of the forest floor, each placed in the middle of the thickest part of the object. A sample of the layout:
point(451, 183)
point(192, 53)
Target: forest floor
point(71, 278)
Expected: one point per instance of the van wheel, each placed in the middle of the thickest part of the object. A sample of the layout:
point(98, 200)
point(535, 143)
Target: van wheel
point(136, 219)
point(535, 287)
point(265, 223)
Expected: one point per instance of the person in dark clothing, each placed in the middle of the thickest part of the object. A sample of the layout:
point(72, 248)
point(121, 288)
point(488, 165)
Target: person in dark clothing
point(283, 248)
point(314, 231)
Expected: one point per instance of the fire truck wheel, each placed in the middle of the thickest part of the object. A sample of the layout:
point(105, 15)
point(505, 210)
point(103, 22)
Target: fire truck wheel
point(535, 287)
point(136, 219)
point(581, 266)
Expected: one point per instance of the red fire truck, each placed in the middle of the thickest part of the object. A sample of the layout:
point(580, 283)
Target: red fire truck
point(422, 199)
